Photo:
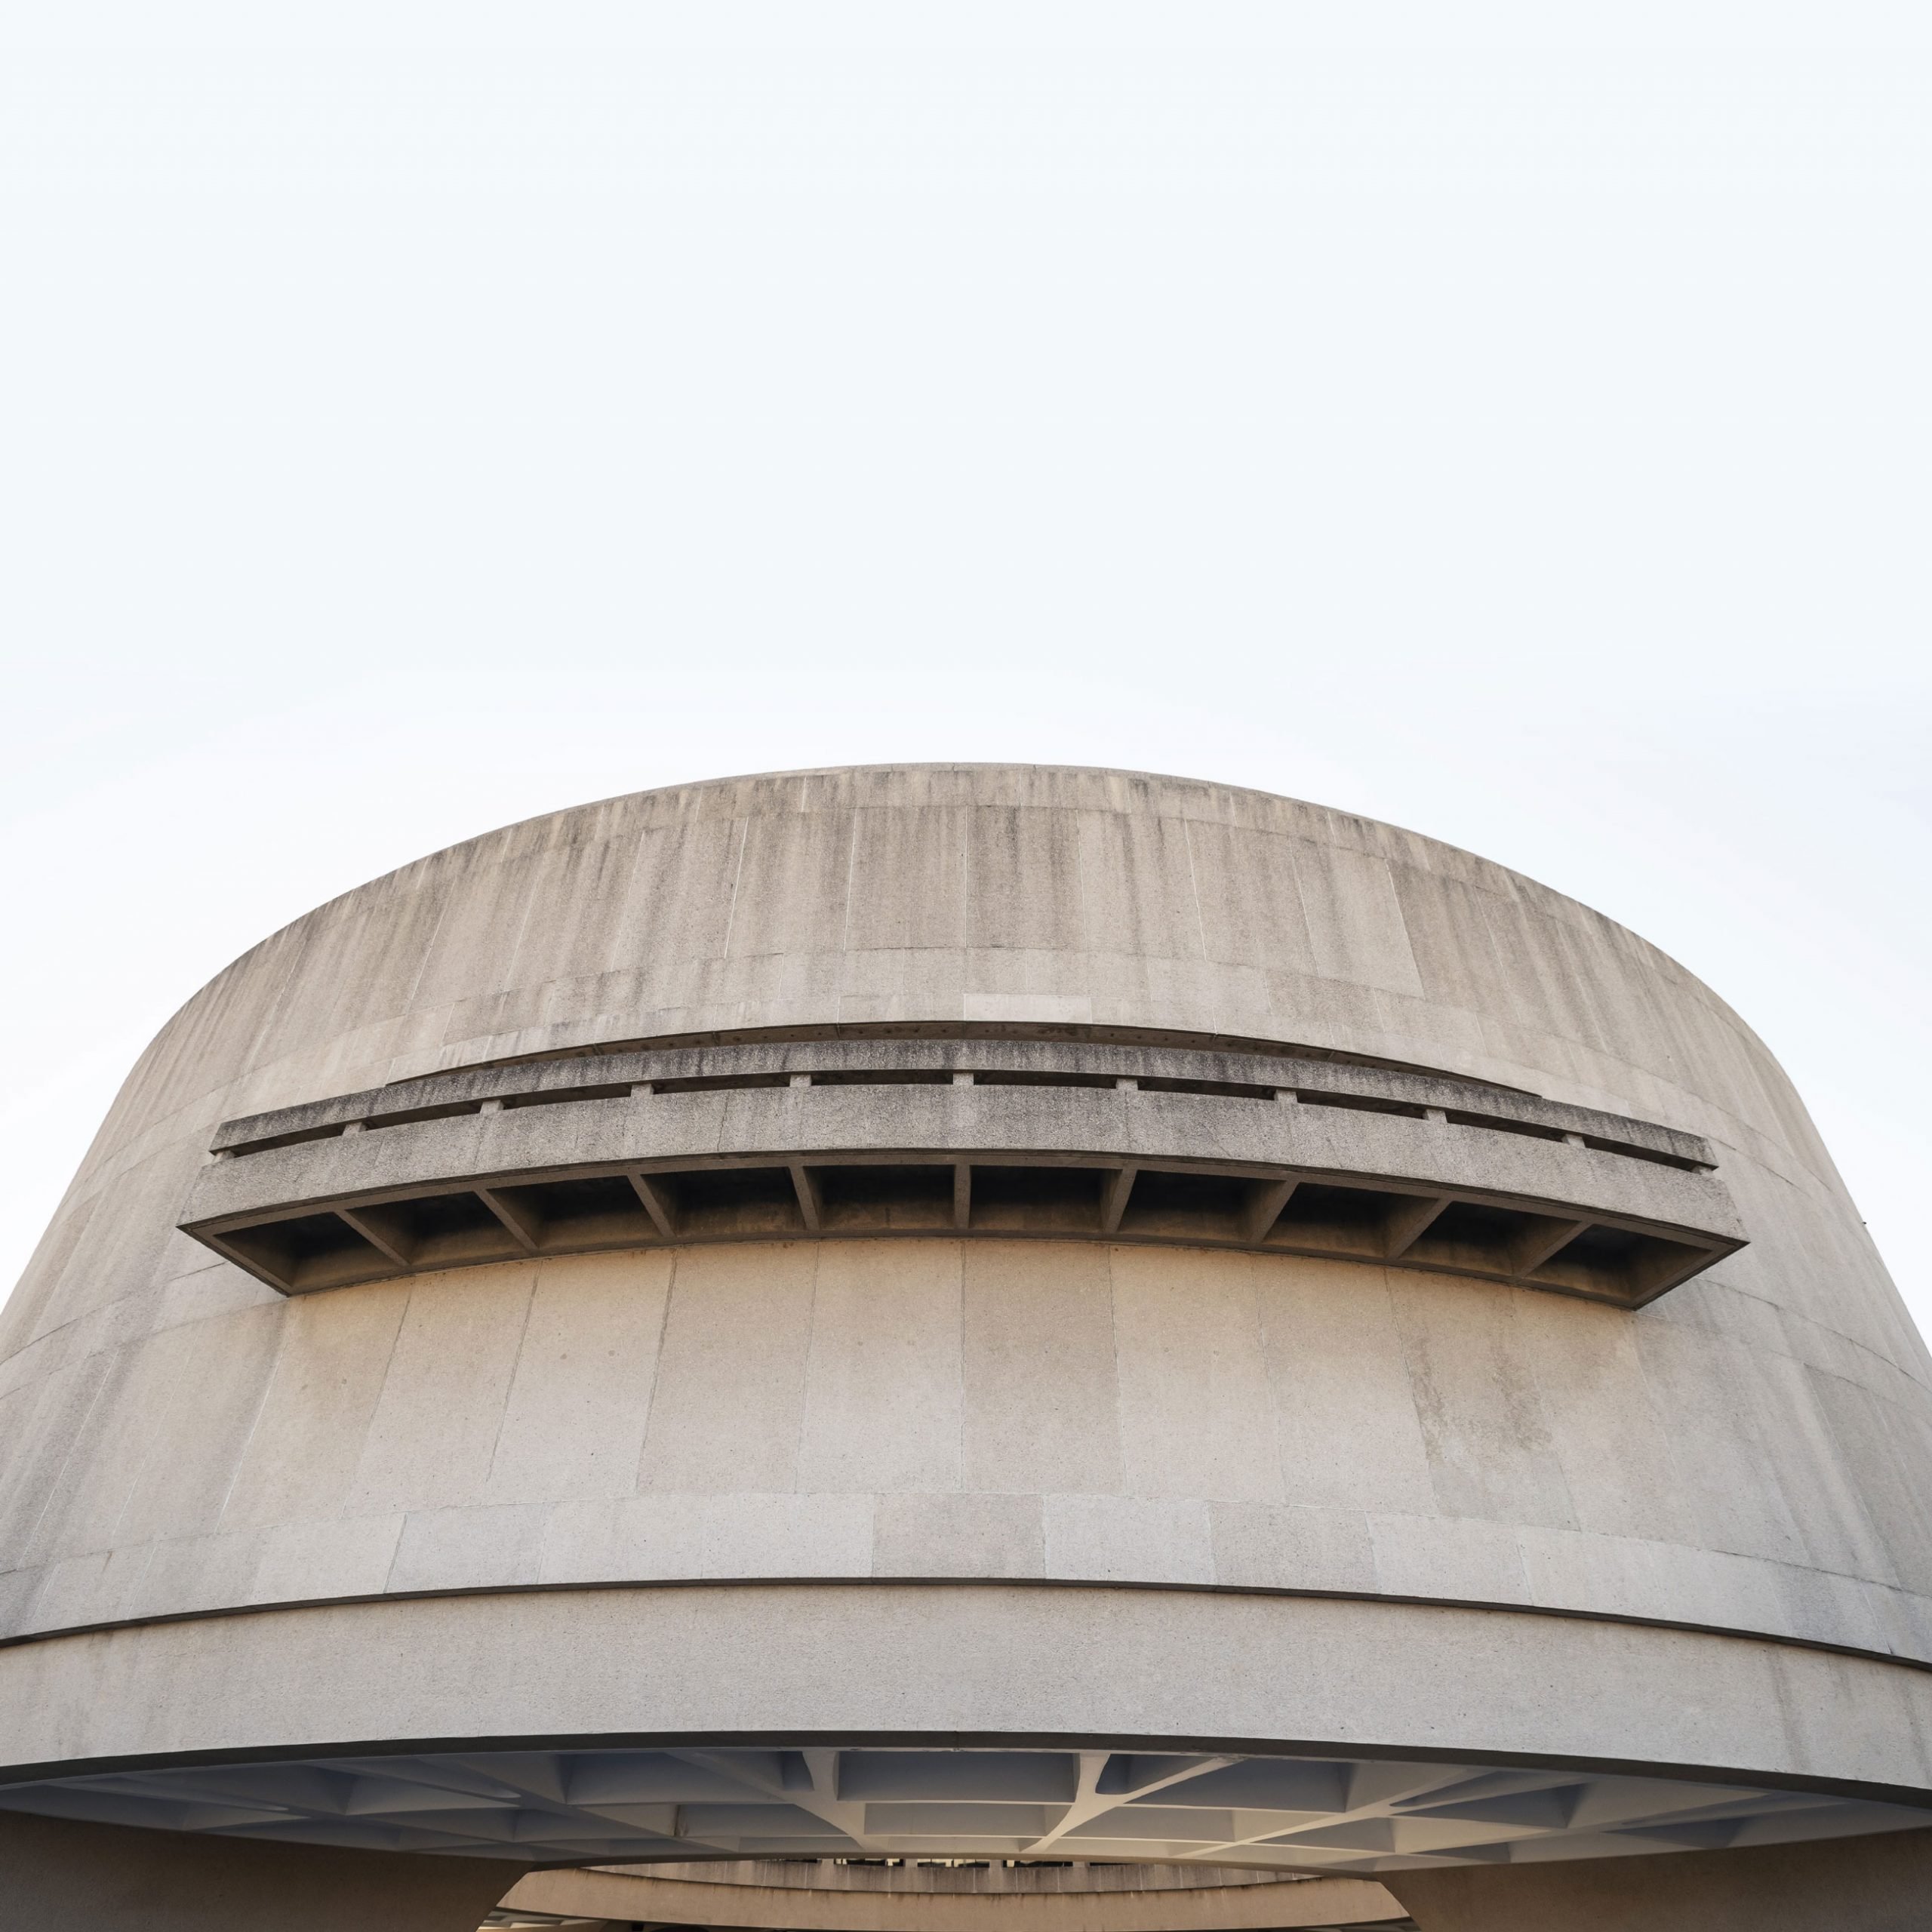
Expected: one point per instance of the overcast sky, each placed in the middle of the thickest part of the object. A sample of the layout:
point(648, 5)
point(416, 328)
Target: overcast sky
point(416, 417)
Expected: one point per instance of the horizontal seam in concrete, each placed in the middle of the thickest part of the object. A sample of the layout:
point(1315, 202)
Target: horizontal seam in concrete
point(968, 1032)
point(1729, 1633)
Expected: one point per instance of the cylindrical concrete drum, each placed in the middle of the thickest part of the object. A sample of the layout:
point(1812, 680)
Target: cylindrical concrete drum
point(973, 1313)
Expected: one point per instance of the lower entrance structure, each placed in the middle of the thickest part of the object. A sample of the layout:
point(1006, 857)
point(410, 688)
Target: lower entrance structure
point(1181, 1358)
point(946, 1895)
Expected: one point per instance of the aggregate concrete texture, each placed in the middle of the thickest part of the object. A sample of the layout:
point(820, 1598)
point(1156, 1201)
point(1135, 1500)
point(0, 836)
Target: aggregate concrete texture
point(1751, 1454)
point(976, 1666)
point(836, 1122)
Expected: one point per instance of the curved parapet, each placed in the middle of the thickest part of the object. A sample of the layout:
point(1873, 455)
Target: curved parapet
point(1129, 1144)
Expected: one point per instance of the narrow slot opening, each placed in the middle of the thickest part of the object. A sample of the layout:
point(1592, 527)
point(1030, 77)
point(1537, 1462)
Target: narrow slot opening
point(563, 1096)
point(1222, 1090)
point(409, 1116)
point(936, 1076)
point(1656, 1155)
point(720, 1083)
point(1361, 1103)
point(298, 1137)
point(1530, 1130)
point(1003, 1078)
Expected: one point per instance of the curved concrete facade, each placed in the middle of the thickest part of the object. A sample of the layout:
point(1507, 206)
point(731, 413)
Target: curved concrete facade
point(895, 1490)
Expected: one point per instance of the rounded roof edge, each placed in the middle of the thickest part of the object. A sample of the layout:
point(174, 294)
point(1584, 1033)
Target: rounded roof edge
point(586, 808)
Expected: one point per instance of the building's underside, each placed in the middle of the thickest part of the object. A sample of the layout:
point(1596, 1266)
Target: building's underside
point(1362, 1816)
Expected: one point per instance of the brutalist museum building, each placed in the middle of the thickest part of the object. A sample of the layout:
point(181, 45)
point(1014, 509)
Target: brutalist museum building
point(971, 1318)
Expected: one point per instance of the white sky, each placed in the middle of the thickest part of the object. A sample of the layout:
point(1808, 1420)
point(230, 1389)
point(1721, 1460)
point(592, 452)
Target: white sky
point(1511, 422)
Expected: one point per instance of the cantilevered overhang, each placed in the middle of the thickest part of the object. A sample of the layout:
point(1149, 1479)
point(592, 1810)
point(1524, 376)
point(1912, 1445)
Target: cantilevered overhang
point(1276, 1814)
point(870, 1139)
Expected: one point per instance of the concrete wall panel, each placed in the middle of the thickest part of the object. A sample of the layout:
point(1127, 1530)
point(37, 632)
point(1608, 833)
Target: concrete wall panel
point(1041, 1403)
point(883, 1396)
point(730, 1400)
point(1491, 1451)
point(580, 1397)
point(1195, 1415)
point(433, 1435)
point(302, 1458)
point(1345, 1414)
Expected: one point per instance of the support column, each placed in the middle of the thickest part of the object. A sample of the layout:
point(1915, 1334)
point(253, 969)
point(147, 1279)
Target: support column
point(64, 1877)
point(1878, 1883)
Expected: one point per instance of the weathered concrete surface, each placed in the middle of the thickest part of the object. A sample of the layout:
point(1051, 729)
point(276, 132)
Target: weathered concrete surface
point(989, 1122)
point(1875, 1885)
point(633, 1898)
point(1753, 1452)
point(973, 1663)
point(55, 1876)
point(1756, 1450)
point(1015, 1409)
point(1110, 1059)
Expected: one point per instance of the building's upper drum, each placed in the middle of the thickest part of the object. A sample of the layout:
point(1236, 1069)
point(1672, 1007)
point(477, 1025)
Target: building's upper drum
point(1018, 900)
point(1015, 902)
point(1215, 950)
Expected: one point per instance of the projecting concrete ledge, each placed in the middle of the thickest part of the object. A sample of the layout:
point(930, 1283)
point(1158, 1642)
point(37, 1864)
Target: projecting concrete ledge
point(627, 1155)
point(726, 1066)
point(970, 1662)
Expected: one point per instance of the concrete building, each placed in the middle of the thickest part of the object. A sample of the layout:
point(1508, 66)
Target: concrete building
point(971, 1313)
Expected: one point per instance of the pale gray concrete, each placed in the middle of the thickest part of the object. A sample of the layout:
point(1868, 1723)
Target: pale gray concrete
point(1134, 1414)
point(968, 1046)
point(847, 1121)
point(977, 1663)
point(940, 1428)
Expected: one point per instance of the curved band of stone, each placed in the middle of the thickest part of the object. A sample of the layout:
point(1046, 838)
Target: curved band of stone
point(1288, 1719)
point(894, 1139)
